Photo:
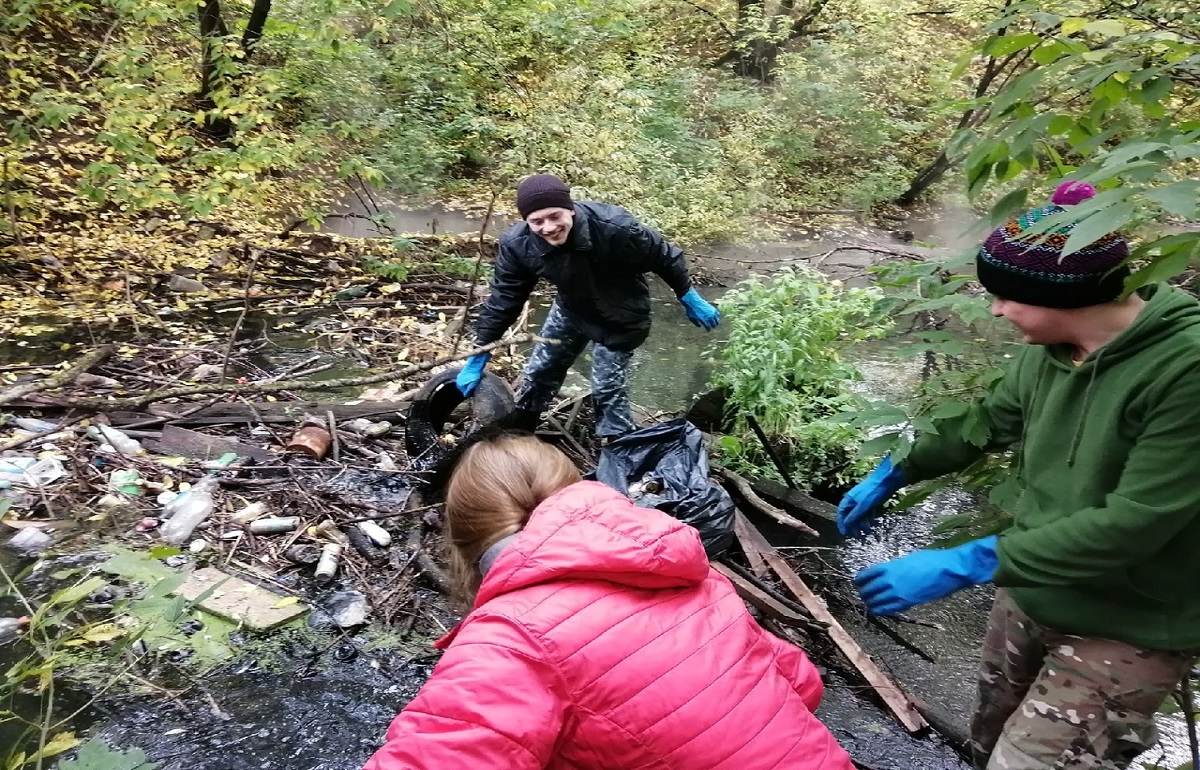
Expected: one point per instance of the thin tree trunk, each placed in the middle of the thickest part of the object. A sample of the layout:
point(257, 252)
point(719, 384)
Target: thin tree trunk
point(937, 168)
point(254, 27)
point(212, 30)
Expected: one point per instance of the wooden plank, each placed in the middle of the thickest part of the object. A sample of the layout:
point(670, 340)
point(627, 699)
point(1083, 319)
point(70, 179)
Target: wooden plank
point(189, 443)
point(238, 600)
point(268, 411)
point(893, 697)
point(756, 597)
point(794, 498)
point(758, 565)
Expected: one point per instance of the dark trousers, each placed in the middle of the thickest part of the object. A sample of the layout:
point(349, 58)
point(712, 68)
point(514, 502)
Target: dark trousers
point(547, 368)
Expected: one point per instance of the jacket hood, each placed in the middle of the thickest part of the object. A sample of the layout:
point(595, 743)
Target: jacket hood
point(1168, 311)
point(591, 532)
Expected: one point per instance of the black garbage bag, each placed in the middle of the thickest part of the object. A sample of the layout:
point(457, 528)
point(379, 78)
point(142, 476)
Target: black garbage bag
point(665, 466)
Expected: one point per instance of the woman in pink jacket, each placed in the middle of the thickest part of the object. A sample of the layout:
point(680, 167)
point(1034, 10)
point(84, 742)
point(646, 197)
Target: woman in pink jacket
point(600, 638)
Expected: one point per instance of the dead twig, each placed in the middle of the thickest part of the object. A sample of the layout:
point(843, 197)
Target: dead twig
point(743, 488)
point(237, 326)
point(58, 378)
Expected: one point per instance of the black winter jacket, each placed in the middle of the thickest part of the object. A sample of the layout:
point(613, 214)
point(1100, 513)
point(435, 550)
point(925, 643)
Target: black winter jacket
point(598, 273)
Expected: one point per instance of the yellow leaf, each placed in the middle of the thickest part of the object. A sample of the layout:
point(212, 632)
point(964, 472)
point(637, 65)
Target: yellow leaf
point(1073, 24)
point(57, 745)
point(105, 632)
point(15, 761)
point(287, 601)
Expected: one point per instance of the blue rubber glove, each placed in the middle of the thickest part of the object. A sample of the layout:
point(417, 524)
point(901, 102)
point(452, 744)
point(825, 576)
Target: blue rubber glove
point(861, 505)
point(468, 379)
point(699, 311)
point(923, 576)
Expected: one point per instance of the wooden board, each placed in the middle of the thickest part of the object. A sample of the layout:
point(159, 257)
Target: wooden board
point(238, 600)
point(201, 446)
point(266, 411)
point(893, 697)
point(760, 599)
point(817, 513)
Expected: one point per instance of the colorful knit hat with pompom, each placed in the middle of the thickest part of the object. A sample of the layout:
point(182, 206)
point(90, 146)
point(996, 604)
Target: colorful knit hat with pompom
point(1023, 270)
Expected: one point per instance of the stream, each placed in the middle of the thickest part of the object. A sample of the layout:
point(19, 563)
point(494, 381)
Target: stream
point(269, 711)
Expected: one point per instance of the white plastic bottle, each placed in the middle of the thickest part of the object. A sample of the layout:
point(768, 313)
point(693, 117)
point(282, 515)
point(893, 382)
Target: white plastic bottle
point(120, 442)
point(187, 511)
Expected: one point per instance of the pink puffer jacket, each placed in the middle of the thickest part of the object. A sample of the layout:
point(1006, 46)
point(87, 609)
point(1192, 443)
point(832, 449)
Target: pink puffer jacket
point(601, 638)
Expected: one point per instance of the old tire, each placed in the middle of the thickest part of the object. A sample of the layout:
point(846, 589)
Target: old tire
point(491, 403)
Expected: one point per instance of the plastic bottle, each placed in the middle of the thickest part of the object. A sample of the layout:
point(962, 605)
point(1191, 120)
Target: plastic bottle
point(327, 565)
point(120, 442)
point(126, 480)
point(10, 628)
point(250, 513)
point(187, 511)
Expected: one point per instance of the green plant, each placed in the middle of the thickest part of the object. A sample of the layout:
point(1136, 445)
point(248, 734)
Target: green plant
point(783, 365)
point(68, 639)
point(98, 755)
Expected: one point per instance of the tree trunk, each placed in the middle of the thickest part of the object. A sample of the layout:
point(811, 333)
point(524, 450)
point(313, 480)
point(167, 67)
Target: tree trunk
point(803, 25)
point(756, 51)
point(254, 27)
point(212, 30)
point(926, 178)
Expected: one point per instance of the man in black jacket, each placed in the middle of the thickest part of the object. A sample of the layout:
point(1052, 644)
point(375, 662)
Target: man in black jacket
point(596, 255)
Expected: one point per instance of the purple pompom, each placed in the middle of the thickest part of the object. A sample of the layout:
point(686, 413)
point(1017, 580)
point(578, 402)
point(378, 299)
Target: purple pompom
point(1071, 193)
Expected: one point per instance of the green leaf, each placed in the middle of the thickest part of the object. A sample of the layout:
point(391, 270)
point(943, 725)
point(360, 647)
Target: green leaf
point(879, 445)
point(1097, 226)
point(1180, 198)
point(1004, 45)
point(1010, 204)
point(950, 409)
point(1156, 90)
point(96, 755)
point(1175, 254)
point(975, 428)
point(1050, 53)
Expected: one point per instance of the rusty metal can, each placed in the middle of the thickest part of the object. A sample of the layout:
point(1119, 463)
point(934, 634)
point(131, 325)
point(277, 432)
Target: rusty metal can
point(274, 525)
point(310, 440)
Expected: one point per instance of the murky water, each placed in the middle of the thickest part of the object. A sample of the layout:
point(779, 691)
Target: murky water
point(273, 709)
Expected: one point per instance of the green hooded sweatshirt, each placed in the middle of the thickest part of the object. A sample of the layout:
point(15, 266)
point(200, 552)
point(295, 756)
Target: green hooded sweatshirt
point(1106, 534)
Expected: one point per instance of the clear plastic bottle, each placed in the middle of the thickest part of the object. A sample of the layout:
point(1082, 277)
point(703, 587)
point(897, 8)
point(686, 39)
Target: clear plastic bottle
point(10, 628)
point(120, 442)
point(187, 511)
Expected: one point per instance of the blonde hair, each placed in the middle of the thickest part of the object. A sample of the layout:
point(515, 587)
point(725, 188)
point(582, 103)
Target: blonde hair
point(494, 488)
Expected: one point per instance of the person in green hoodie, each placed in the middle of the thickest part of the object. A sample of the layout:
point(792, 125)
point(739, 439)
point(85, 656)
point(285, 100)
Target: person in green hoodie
point(1097, 610)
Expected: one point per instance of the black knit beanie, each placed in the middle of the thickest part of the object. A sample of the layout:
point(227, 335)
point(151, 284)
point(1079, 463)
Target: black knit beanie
point(1033, 271)
point(542, 191)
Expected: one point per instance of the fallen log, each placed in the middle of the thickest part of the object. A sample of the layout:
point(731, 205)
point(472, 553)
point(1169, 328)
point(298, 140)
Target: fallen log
point(896, 700)
point(744, 489)
point(58, 378)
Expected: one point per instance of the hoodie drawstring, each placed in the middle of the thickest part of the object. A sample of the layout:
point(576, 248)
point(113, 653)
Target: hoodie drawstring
point(1087, 398)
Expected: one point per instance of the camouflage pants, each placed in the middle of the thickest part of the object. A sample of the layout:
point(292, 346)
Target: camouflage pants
point(547, 368)
point(1053, 701)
